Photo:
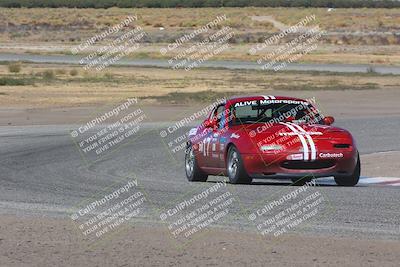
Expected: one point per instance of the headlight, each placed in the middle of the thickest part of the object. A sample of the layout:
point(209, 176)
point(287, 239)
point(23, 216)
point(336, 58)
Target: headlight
point(270, 147)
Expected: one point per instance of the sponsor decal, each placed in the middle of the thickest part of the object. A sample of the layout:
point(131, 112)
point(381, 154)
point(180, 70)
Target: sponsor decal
point(207, 148)
point(283, 101)
point(236, 136)
point(295, 157)
point(331, 155)
point(246, 103)
point(263, 102)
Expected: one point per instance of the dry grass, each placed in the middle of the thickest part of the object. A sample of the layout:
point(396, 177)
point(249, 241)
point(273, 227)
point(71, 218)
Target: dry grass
point(345, 19)
point(379, 55)
point(154, 84)
point(356, 36)
point(78, 24)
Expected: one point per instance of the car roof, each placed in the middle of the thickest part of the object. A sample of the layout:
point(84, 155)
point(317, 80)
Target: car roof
point(259, 97)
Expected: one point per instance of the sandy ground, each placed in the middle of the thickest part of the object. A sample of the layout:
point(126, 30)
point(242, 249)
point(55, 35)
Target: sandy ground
point(340, 104)
point(31, 241)
point(348, 54)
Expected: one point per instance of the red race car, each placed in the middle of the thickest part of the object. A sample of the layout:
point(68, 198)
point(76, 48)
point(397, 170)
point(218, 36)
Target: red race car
point(270, 137)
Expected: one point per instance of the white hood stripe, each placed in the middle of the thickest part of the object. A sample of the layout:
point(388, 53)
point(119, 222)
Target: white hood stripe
point(310, 140)
point(302, 140)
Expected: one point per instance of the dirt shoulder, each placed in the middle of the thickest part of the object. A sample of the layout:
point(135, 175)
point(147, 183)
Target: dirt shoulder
point(52, 85)
point(31, 241)
point(340, 104)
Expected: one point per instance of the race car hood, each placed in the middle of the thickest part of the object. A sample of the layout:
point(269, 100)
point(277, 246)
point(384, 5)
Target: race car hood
point(261, 129)
point(286, 134)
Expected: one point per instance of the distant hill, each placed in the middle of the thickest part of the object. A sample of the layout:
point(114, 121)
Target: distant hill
point(201, 3)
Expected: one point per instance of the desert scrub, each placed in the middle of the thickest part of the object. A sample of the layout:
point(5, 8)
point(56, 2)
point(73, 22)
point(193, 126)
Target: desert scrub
point(61, 71)
point(14, 67)
point(73, 72)
point(48, 75)
point(108, 76)
point(10, 81)
point(192, 97)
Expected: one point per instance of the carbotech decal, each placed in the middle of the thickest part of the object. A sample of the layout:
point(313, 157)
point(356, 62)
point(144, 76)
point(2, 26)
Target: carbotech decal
point(331, 155)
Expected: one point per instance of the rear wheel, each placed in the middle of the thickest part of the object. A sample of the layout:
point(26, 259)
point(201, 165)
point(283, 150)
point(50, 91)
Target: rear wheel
point(193, 172)
point(235, 168)
point(350, 180)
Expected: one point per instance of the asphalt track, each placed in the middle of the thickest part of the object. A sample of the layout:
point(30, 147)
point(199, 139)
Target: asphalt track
point(43, 173)
point(245, 65)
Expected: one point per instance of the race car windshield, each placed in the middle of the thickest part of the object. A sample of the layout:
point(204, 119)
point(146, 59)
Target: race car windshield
point(259, 112)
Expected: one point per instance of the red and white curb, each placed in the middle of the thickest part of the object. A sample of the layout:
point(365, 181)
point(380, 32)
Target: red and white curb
point(366, 181)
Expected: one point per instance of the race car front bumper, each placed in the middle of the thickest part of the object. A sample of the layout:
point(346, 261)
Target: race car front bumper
point(285, 164)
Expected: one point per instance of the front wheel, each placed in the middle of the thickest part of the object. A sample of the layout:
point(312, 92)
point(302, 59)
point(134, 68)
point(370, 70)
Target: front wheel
point(235, 168)
point(193, 172)
point(352, 179)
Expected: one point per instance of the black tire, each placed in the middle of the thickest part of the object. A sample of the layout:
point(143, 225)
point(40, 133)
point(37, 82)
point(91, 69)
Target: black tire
point(350, 180)
point(193, 173)
point(301, 180)
point(236, 172)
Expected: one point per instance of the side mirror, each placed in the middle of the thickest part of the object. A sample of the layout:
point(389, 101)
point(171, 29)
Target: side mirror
point(328, 120)
point(210, 123)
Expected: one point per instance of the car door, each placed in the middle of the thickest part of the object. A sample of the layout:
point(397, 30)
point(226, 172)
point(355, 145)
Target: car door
point(214, 158)
point(204, 146)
